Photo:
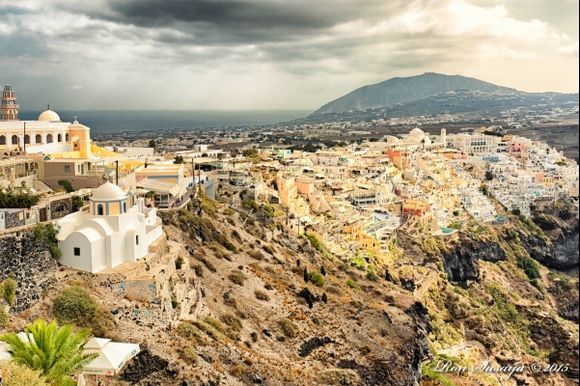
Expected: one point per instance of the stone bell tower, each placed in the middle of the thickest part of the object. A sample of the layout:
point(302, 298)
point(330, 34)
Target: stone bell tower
point(8, 105)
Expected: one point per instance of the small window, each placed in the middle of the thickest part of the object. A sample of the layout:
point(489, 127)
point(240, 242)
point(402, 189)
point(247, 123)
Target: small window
point(125, 208)
point(66, 169)
point(100, 209)
point(76, 251)
point(137, 240)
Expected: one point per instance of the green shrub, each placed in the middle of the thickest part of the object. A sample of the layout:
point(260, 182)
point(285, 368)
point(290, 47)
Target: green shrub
point(530, 267)
point(352, 284)
point(75, 306)
point(316, 244)
point(188, 330)
point(250, 153)
point(8, 290)
point(316, 278)
point(4, 318)
point(12, 374)
point(232, 321)
point(237, 277)
point(372, 276)
point(17, 199)
point(77, 203)
point(506, 309)
point(289, 329)
point(47, 234)
point(66, 185)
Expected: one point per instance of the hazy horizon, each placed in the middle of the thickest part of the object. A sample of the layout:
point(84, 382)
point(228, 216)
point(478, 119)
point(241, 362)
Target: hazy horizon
point(225, 55)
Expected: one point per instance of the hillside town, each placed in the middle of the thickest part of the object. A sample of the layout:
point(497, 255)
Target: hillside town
point(355, 196)
point(108, 211)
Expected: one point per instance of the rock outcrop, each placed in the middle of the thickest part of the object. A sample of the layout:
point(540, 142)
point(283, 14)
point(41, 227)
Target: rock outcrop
point(461, 262)
point(559, 222)
point(26, 259)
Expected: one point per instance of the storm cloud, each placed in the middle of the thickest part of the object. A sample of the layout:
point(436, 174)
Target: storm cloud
point(255, 54)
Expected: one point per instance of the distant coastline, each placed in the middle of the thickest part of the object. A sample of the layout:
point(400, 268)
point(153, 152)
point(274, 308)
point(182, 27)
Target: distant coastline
point(137, 120)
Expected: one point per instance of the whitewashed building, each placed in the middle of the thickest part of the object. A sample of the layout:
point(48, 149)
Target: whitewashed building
point(118, 228)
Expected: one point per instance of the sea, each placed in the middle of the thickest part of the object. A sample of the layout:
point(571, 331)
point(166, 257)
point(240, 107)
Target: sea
point(141, 120)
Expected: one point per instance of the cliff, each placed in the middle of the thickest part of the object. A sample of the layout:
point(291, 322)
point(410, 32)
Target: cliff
point(239, 300)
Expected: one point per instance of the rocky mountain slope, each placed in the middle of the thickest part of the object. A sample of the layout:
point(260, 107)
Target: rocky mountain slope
point(432, 93)
point(242, 301)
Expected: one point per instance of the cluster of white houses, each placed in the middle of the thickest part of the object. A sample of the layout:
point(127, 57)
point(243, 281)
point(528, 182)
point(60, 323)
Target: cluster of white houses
point(354, 197)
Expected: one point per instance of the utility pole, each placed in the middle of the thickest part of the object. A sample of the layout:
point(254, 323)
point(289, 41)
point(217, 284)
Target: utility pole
point(117, 172)
point(24, 137)
point(193, 178)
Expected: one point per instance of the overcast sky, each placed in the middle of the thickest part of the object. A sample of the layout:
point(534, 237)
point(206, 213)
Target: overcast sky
point(281, 54)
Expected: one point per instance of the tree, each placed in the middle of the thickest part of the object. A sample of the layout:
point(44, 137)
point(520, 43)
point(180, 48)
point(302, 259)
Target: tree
point(17, 199)
point(8, 290)
point(47, 234)
point(66, 185)
point(152, 144)
point(250, 153)
point(178, 159)
point(56, 351)
point(77, 203)
point(488, 175)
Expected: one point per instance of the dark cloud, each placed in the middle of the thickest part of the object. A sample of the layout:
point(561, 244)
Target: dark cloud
point(205, 52)
point(238, 21)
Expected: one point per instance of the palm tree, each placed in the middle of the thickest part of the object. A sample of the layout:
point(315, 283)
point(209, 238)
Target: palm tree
point(56, 351)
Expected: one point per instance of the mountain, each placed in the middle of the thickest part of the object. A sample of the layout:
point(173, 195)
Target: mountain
point(410, 90)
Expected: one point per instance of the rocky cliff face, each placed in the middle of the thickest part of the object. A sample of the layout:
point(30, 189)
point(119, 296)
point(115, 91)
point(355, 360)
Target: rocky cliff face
point(340, 329)
point(462, 260)
point(559, 222)
point(28, 261)
point(262, 306)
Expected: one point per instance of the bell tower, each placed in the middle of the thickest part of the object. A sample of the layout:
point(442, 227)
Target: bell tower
point(8, 105)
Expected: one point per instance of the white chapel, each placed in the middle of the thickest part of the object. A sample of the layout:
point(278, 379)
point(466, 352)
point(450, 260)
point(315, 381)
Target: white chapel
point(116, 229)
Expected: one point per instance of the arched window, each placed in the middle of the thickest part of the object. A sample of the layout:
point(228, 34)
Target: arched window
point(2, 140)
point(66, 137)
point(59, 137)
point(15, 140)
point(38, 138)
point(100, 209)
point(125, 207)
point(27, 139)
point(49, 138)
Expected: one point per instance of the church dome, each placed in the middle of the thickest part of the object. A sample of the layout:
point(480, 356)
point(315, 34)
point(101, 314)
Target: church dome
point(416, 132)
point(49, 116)
point(108, 192)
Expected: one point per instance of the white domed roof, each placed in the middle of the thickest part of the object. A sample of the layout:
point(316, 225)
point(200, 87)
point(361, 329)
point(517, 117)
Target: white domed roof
point(416, 132)
point(108, 192)
point(49, 116)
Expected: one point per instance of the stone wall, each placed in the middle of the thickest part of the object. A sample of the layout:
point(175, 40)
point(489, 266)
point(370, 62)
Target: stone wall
point(60, 208)
point(29, 261)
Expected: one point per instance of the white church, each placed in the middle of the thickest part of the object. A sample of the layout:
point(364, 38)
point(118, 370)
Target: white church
point(118, 228)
